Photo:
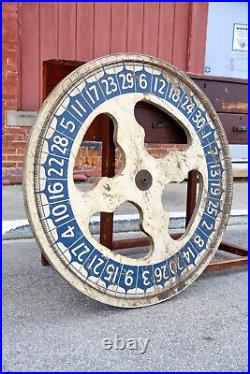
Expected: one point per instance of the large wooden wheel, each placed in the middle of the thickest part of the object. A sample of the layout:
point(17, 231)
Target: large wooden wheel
point(59, 212)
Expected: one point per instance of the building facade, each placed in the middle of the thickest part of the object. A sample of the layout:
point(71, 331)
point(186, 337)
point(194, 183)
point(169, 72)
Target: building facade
point(35, 32)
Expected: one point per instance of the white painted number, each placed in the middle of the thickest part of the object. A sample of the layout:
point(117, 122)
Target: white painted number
point(212, 208)
point(198, 119)
point(159, 85)
point(54, 171)
point(145, 278)
point(60, 143)
point(69, 232)
point(175, 94)
point(56, 191)
point(127, 80)
point(110, 85)
point(187, 105)
point(129, 278)
point(69, 125)
point(207, 226)
point(188, 254)
point(143, 81)
point(95, 97)
point(59, 212)
point(111, 272)
point(199, 241)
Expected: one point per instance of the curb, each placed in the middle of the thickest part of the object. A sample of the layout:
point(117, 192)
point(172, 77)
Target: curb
point(20, 229)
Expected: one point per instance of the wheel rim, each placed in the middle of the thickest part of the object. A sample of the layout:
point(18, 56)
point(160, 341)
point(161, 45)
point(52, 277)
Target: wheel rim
point(59, 213)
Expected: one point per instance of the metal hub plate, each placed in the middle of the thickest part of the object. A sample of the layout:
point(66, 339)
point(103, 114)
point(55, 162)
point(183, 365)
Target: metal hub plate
point(60, 213)
point(143, 180)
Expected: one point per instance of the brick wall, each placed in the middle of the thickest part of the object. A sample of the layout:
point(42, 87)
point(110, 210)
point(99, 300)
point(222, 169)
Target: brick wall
point(13, 138)
point(88, 164)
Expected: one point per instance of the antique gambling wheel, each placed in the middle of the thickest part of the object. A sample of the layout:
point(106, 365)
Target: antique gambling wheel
point(60, 213)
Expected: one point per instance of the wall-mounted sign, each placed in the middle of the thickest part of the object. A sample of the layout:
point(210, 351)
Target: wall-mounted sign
point(240, 37)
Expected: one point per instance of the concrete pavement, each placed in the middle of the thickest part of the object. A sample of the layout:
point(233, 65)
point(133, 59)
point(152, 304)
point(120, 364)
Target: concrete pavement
point(15, 224)
point(49, 326)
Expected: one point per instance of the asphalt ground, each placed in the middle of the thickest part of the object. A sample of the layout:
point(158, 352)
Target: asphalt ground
point(49, 326)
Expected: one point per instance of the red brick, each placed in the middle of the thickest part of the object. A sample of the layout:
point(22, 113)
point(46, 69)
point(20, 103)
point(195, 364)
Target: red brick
point(16, 144)
point(16, 131)
point(19, 137)
point(15, 158)
point(10, 151)
point(7, 138)
point(10, 84)
point(9, 7)
point(21, 151)
point(5, 181)
point(8, 164)
point(92, 152)
point(16, 179)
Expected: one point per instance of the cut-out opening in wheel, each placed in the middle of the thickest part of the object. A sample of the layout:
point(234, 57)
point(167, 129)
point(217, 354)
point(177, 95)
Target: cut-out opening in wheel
point(161, 130)
point(174, 201)
point(89, 159)
point(127, 220)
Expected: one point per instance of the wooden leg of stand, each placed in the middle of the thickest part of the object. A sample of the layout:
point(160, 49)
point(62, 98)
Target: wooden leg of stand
point(233, 248)
point(231, 263)
point(191, 194)
point(136, 242)
point(108, 170)
point(44, 260)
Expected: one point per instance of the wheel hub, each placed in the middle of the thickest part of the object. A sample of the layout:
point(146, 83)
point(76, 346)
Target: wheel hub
point(143, 180)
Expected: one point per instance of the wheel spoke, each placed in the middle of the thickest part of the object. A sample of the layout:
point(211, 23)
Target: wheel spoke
point(106, 196)
point(177, 163)
point(129, 135)
point(155, 222)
